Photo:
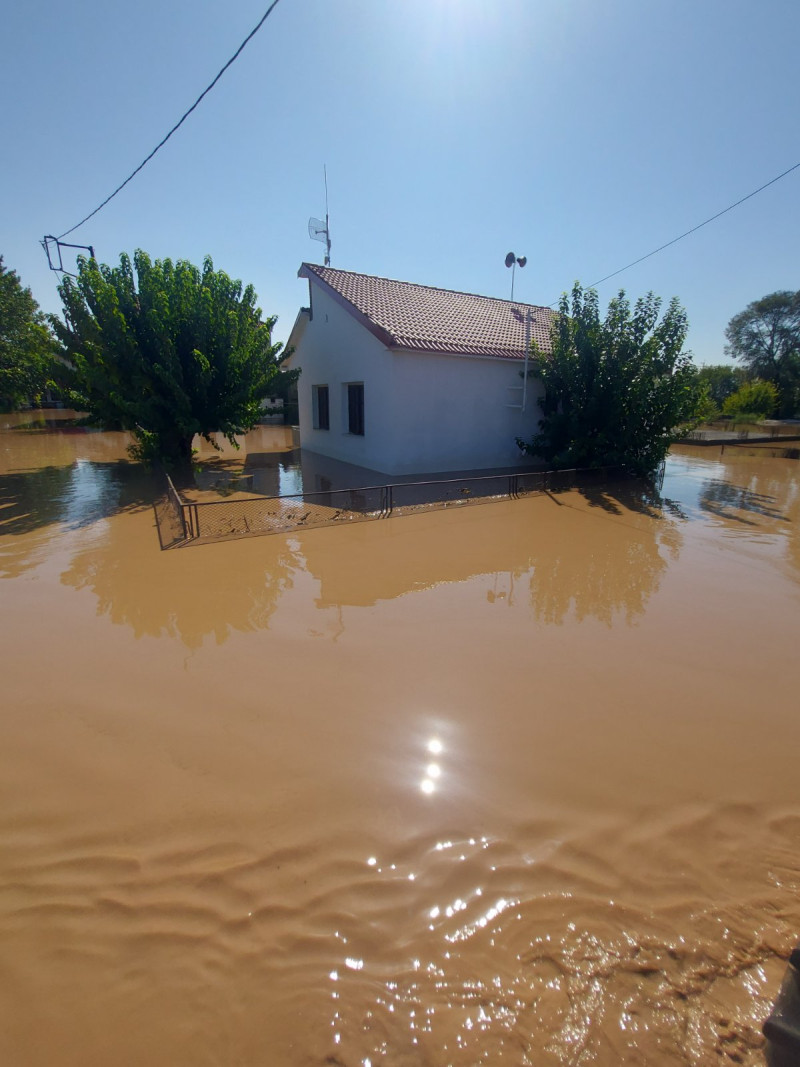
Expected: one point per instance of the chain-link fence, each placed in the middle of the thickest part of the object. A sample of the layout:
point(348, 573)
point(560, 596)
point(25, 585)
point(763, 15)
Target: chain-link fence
point(410, 497)
point(170, 522)
point(562, 481)
point(729, 431)
point(181, 521)
point(219, 519)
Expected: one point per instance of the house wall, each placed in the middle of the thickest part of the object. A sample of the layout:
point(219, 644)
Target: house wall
point(423, 413)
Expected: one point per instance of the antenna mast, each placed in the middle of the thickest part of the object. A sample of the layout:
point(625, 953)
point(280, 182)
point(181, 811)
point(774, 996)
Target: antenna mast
point(511, 261)
point(321, 231)
point(327, 221)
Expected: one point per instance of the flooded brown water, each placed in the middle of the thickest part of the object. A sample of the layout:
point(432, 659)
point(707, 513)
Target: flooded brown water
point(515, 784)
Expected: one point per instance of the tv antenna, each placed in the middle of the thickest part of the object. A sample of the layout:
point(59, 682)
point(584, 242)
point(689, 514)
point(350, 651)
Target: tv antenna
point(512, 261)
point(321, 231)
point(52, 248)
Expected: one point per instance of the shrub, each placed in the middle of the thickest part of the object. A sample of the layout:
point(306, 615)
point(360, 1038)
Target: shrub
point(756, 398)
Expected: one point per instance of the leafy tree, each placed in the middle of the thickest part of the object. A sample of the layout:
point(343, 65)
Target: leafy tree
point(706, 410)
point(722, 381)
point(616, 389)
point(27, 348)
point(167, 351)
point(755, 398)
point(766, 338)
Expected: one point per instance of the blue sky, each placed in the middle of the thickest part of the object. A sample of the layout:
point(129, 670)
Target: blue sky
point(580, 134)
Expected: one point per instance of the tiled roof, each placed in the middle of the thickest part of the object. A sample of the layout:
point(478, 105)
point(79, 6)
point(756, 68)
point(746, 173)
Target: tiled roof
point(421, 318)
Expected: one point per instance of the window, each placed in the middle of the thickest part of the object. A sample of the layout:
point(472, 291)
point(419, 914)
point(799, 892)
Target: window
point(321, 407)
point(355, 408)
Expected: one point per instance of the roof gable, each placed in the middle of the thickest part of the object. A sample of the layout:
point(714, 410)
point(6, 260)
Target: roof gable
point(421, 318)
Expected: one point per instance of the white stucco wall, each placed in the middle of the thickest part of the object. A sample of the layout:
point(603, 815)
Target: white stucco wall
point(423, 413)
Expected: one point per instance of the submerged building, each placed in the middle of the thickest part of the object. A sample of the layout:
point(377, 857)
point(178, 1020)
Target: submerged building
point(404, 379)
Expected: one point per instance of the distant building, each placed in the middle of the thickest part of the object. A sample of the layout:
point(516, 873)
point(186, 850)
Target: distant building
point(408, 379)
point(272, 405)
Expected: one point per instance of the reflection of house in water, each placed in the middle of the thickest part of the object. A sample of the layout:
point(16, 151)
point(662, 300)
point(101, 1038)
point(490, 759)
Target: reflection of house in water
point(406, 556)
point(294, 472)
point(269, 462)
point(570, 557)
point(273, 473)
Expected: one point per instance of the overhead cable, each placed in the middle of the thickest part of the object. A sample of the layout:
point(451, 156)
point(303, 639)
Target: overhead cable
point(694, 229)
point(182, 119)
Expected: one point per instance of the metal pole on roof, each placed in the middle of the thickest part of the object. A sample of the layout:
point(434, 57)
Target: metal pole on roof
point(511, 261)
point(527, 350)
point(327, 221)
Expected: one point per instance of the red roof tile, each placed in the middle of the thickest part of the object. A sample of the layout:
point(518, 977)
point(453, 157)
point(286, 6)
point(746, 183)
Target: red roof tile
point(422, 318)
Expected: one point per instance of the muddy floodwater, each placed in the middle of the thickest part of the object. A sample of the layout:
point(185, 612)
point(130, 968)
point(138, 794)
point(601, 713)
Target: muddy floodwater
point(515, 783)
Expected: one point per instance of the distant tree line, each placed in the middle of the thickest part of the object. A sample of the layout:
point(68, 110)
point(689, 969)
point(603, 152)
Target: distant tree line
point(765, 340)
point(29, 367)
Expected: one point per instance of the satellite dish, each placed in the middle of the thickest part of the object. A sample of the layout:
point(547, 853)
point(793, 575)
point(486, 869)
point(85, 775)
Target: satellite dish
point(510, 258)
point(522, 260)
point(317, 230)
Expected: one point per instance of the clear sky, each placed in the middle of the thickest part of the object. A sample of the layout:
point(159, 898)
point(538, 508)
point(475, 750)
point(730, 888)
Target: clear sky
point(579, 133)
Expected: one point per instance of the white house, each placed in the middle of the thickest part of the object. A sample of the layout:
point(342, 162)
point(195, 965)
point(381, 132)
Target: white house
point(408, 379)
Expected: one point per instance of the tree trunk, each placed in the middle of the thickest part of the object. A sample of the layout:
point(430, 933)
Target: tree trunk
point(177, 456)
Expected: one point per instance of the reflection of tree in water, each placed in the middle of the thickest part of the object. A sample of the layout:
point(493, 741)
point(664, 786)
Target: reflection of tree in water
point(757, 495)
point(617, 563)
point(181, 593)
point(72, 496)
point(724, 500)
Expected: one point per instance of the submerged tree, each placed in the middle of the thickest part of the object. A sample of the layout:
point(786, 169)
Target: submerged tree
point(167, 351)
point(616, 390)
point(766, 338)
point(27, 348)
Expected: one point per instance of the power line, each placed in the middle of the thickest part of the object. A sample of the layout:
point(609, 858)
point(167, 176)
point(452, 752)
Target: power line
point(182, 119)
point(694, 229)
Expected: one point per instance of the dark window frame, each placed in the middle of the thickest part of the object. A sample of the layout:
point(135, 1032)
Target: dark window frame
point(355, 408)
point(321, 404)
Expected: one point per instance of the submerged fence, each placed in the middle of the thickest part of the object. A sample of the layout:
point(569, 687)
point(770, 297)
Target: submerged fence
point(183, 521)
point(729, 431)
point(170, 520)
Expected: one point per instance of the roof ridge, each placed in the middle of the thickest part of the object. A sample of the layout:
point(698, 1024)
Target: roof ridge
point(418, 285)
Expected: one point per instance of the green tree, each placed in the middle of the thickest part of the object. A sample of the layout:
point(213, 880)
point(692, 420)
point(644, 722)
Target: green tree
point(722, 380)
point(616, 390)
point(27, 347)
point(766, 338)
point(754, 398)
point(706, 410)
point(167, 351)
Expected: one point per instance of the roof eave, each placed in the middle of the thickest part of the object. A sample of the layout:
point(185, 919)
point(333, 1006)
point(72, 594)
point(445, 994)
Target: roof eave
point(517, 357)
point(297, 331)
point(377, 331)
